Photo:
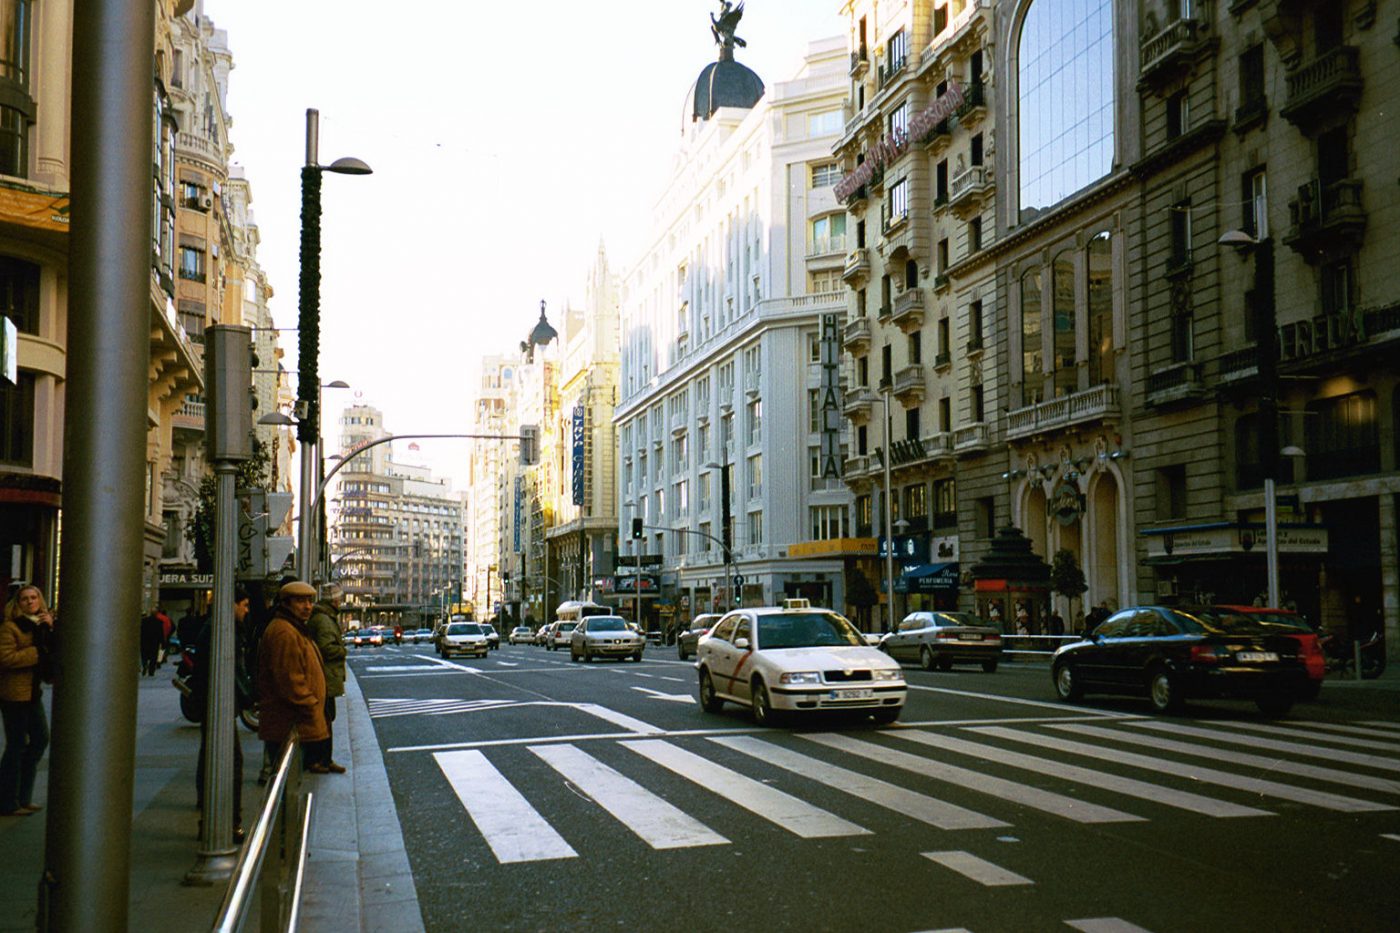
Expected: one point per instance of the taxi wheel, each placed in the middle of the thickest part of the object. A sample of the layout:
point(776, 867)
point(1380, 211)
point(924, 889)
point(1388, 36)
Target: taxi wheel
point(926, 660)
point(637, 657)
point(680, 651)
point(587, 655)
point(573, 655)
point(709, 701)
point(763, 712)
point(1275, 706)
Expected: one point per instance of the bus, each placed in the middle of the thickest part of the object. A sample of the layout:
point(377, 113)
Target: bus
point(573, 610)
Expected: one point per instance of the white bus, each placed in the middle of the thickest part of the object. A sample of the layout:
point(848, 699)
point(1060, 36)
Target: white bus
point(573, 610)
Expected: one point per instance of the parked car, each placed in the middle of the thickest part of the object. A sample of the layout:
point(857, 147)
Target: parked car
point(938, 640)
point(559, 634)
point(493, 637)
point(1296, 625)
point(463, 638)
point(1172, 654)
point(795, 658)
point(688, 640)
point(604, 637)
point(521, 635)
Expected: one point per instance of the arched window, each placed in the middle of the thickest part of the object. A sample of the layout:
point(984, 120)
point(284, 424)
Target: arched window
point(1032, 367)
point(1099, 265)
point(1062, 293)
point(1065, 74)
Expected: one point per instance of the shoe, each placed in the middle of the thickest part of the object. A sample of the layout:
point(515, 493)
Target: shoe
point(318, 768)
point(17, 812)
point(335, 768)
point(32, 807)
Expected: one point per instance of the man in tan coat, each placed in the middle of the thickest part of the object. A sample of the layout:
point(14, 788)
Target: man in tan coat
point(291, 681)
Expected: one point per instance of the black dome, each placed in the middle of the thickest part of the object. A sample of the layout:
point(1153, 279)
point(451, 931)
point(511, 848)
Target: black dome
point(725, 83)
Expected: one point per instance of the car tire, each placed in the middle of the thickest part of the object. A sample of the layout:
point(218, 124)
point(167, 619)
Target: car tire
point(709, 700)
point(1274, 706)
point(573, 656)
point(1067, 686)
point(989, 667)
point(587, 656)
point(945, 664)
point(926, 658)
point(680, 651)
point(763, 712)
point(1162, 693)
point(886, 715)
point(637, 657)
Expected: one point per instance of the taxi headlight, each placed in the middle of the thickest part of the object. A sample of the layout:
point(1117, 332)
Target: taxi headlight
point(888, 675)
point(801, 677)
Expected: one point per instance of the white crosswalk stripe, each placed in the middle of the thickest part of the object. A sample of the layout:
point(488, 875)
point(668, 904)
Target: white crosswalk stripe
point(383, 708)
point(1273, 745)
point(1355, 730)
point(1104, 925)
point(1382, 724)
point(660, 824)
point(513, 829)
point(978, 869)
point(782, 809)
point(1193, 772)
point(1392, 746)
point(917, 806)
point(1128, 786)
point(1048, 801)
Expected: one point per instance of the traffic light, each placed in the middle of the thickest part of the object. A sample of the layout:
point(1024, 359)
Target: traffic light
point(259, 550)
point(529, 444)
point(636, 527)
point(228, 375)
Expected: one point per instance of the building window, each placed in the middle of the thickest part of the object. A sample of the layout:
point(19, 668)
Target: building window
point(1065, 78)
point(945, 343)
point(916, 507)
point(974, 234)
point(19, 294)
point(984, 517)
point(17, 421)
point(898, 50)
point(1032, 386)
point(911, 423)
point(945, 504)
point(943, 257)
point(825, 175)
point(17, 112)
point(945, 415)
point(974, 326)
point(824, 282)
point(899, 200)
point(1171, 492)
point(1178, 114)
point(192, 264)
point(1343, 437)
point(1252, 98)
point(977, 405)
point(828, 235)
point(862, 441)
point(755, 476)
point(1066, 377)
point(1099, 263)
point(861, 303)
point(1336, 287)
point(814, 411)
point(916, 348)
point(864, 519)
point(829, 522)
point(755, 422)
point(1180, 234)
point(899, 120)
point(1255, 199)
point(941, 182)
point(863, 371)
point(14, 142)
point(755, 527)
point(885, 366)
point(940, 18)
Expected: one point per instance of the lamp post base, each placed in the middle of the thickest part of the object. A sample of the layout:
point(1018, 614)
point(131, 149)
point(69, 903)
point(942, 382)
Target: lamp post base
point(211, 868)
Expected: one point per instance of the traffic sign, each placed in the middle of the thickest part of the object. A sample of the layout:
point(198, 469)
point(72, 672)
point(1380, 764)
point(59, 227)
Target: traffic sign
point(738, 580)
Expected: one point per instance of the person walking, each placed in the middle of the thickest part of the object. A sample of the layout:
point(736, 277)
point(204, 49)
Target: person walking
point(199, 690)
point(325, 631)
point(26, 647)
point(291, 678)
point(152, 637)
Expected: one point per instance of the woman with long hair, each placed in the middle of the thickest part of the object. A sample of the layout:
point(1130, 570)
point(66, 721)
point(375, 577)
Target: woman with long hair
point(26, 639)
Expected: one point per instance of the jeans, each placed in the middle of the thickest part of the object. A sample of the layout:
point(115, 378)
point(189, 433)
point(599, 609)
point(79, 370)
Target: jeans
point(26, 737)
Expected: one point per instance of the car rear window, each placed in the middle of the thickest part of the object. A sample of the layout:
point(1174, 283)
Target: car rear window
point(805, 630)
point(1224, 622)
point(601, 624)
point(565, 626)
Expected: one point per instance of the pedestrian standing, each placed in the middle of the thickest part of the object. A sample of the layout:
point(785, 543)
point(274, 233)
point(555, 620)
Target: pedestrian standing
point(330, 641)
point(189, 627)
point(152, 638)
point(199, 690)
point(1056, 623)
point(26, 661)
point(291, 679)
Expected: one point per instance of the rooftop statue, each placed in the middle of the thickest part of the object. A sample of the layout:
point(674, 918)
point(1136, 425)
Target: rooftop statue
point(722, 28)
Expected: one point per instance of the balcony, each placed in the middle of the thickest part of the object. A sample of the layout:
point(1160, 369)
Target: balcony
point(1180, 382)
point(1326, 221)
point(909, 384)
point(908, 310)
point(943, 360)
point(1097, 404)
point(1239, 365)
point(679, 423)
point(891, 71)
point(860, 63)
point(973, 107)
point(1169, 52)
point(856, 335)
point(859, 404)
point(1325, 87)
point(189, 417)
point(857, 265)
point(941, 281)
point(936, 140)
point(857, 466)
point(973, 439)
point(893, 221)
point(969, 189)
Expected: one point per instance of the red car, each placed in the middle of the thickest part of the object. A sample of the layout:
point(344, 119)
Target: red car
point(1295, 624)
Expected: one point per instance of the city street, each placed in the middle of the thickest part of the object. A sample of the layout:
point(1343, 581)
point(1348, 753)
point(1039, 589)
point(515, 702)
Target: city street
point(536, 793)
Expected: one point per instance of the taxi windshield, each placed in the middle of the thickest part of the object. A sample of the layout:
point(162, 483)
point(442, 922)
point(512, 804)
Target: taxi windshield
point(805, 630)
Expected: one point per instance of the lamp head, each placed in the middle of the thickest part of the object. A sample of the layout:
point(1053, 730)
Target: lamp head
point(348, 165)
point(1238, 239)
point(276, 417)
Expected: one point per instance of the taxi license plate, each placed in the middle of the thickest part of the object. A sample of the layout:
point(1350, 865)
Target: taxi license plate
point(858, 694)
point(1257, 655)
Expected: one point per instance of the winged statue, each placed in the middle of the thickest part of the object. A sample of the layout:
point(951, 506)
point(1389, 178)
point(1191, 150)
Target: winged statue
point(723, 26)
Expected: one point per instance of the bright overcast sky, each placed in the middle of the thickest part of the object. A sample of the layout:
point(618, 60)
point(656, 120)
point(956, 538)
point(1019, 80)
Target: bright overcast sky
point(506, 139)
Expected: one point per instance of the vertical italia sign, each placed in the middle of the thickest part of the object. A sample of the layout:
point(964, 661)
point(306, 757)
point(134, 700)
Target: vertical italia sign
point(831, 396)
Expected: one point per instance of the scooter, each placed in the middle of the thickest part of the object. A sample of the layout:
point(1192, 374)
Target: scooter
point(189, 706)
point(1342, 654)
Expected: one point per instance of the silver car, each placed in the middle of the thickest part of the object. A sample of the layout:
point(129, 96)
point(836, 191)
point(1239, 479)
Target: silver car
point(938, 640)
point(605, 637)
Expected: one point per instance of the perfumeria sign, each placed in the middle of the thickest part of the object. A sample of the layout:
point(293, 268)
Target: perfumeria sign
point(896, 142)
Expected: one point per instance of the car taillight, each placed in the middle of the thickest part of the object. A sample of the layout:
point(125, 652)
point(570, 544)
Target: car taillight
point(945, 635)
point(1209, 654)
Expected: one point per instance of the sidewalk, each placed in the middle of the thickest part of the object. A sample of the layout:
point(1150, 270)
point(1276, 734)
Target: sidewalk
point(358, 876)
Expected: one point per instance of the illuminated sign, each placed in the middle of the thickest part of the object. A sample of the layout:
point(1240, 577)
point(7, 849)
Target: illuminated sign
point(893, 145)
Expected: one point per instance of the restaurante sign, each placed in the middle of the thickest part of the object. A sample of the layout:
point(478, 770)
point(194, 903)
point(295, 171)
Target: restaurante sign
point(893, 144)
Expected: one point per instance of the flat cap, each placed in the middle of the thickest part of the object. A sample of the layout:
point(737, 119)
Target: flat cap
point(296, 588)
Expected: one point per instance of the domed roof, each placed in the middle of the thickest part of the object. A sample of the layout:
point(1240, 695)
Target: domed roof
point(725, 83)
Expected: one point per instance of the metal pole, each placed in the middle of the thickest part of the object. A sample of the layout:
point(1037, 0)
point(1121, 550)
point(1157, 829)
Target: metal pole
point(217, 853)
point(88, 832)
point(1267, 347)
point(726, 530)
point(309, 340)
point(889, 531)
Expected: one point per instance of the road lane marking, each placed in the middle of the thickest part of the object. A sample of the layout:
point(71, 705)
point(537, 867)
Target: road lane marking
point(432, 707)
point(1192, 772)
point(658, 823)
point(1381, 723)
point(1393, 746)
point(1104, 925)
point(908, 803)
point(1394, 836)
point(977, 869)
point(784, 810)
point(616, 718)
point(513, 828)
point(658, 695)
point(674, 680)
point(1354, 730)
point(1182, 800)
point(1262, 762)
point(399, 668)
point(1273, 745)
point(1047, 801)
point(1086, 711)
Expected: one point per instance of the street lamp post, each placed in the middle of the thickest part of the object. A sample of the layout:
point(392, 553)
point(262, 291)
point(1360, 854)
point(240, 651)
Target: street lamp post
point(309, 326)
point(889, 529)
point(726, 542)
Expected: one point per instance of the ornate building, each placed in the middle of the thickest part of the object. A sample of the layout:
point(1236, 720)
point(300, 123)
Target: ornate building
point(492, 405)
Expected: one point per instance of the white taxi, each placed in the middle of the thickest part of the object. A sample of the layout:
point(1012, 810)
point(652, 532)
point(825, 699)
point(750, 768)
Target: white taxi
point(796, 659)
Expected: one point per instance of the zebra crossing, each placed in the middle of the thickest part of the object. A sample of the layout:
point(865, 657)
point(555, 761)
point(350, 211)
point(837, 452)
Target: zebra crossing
point(774, 776)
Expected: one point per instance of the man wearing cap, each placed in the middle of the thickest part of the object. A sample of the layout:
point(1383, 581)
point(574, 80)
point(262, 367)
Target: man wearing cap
point(330, 641)
point(291, 680)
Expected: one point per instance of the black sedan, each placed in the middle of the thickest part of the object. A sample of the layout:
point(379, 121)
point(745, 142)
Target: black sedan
point(1171, 654)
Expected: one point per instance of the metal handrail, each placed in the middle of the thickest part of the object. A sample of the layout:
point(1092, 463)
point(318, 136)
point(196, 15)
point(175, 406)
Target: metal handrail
point(267, 831)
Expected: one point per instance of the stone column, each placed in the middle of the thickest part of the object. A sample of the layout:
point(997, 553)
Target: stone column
point(1390, 576)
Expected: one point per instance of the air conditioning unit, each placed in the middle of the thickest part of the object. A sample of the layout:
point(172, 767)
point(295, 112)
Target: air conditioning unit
point(206, 202)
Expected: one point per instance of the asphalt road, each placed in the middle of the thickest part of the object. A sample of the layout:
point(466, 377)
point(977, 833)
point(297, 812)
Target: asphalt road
point(539, 794)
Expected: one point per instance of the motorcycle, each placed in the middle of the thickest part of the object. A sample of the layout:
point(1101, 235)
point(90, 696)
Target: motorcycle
point(1342, 654)
point(190, 707)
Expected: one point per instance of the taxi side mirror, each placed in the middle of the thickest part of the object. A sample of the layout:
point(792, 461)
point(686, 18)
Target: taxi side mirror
point(741, 643)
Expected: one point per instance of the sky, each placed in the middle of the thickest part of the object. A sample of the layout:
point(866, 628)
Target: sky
point(507, 140)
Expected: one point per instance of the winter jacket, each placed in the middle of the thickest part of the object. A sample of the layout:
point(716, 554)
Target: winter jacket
point(325, 631)
point(291, 683)
point(19, 663)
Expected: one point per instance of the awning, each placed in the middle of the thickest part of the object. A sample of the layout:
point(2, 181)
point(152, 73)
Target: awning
point(928, 578)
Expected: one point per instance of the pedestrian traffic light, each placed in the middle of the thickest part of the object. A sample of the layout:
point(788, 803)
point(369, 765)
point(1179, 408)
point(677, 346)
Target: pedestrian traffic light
point(636, 527)
point(529, 444)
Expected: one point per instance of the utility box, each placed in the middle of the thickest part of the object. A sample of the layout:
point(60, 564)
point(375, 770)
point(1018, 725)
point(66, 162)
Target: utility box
point(228, 374)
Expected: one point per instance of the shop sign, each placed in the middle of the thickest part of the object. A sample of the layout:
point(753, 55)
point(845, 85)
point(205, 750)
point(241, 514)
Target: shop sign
point(908, 548)
point(578, 463)
point(628, 583)
point(1067, 503)
point(1325, 332)
point(195, 580)
point(943, 549)
point(1233, 539)
point(893, 145)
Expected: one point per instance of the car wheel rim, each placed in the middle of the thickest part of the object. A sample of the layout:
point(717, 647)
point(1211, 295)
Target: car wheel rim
point(707, 689)
point(1161, 691)
point(760, 704)
point(926, 657)
point(1065, 680)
